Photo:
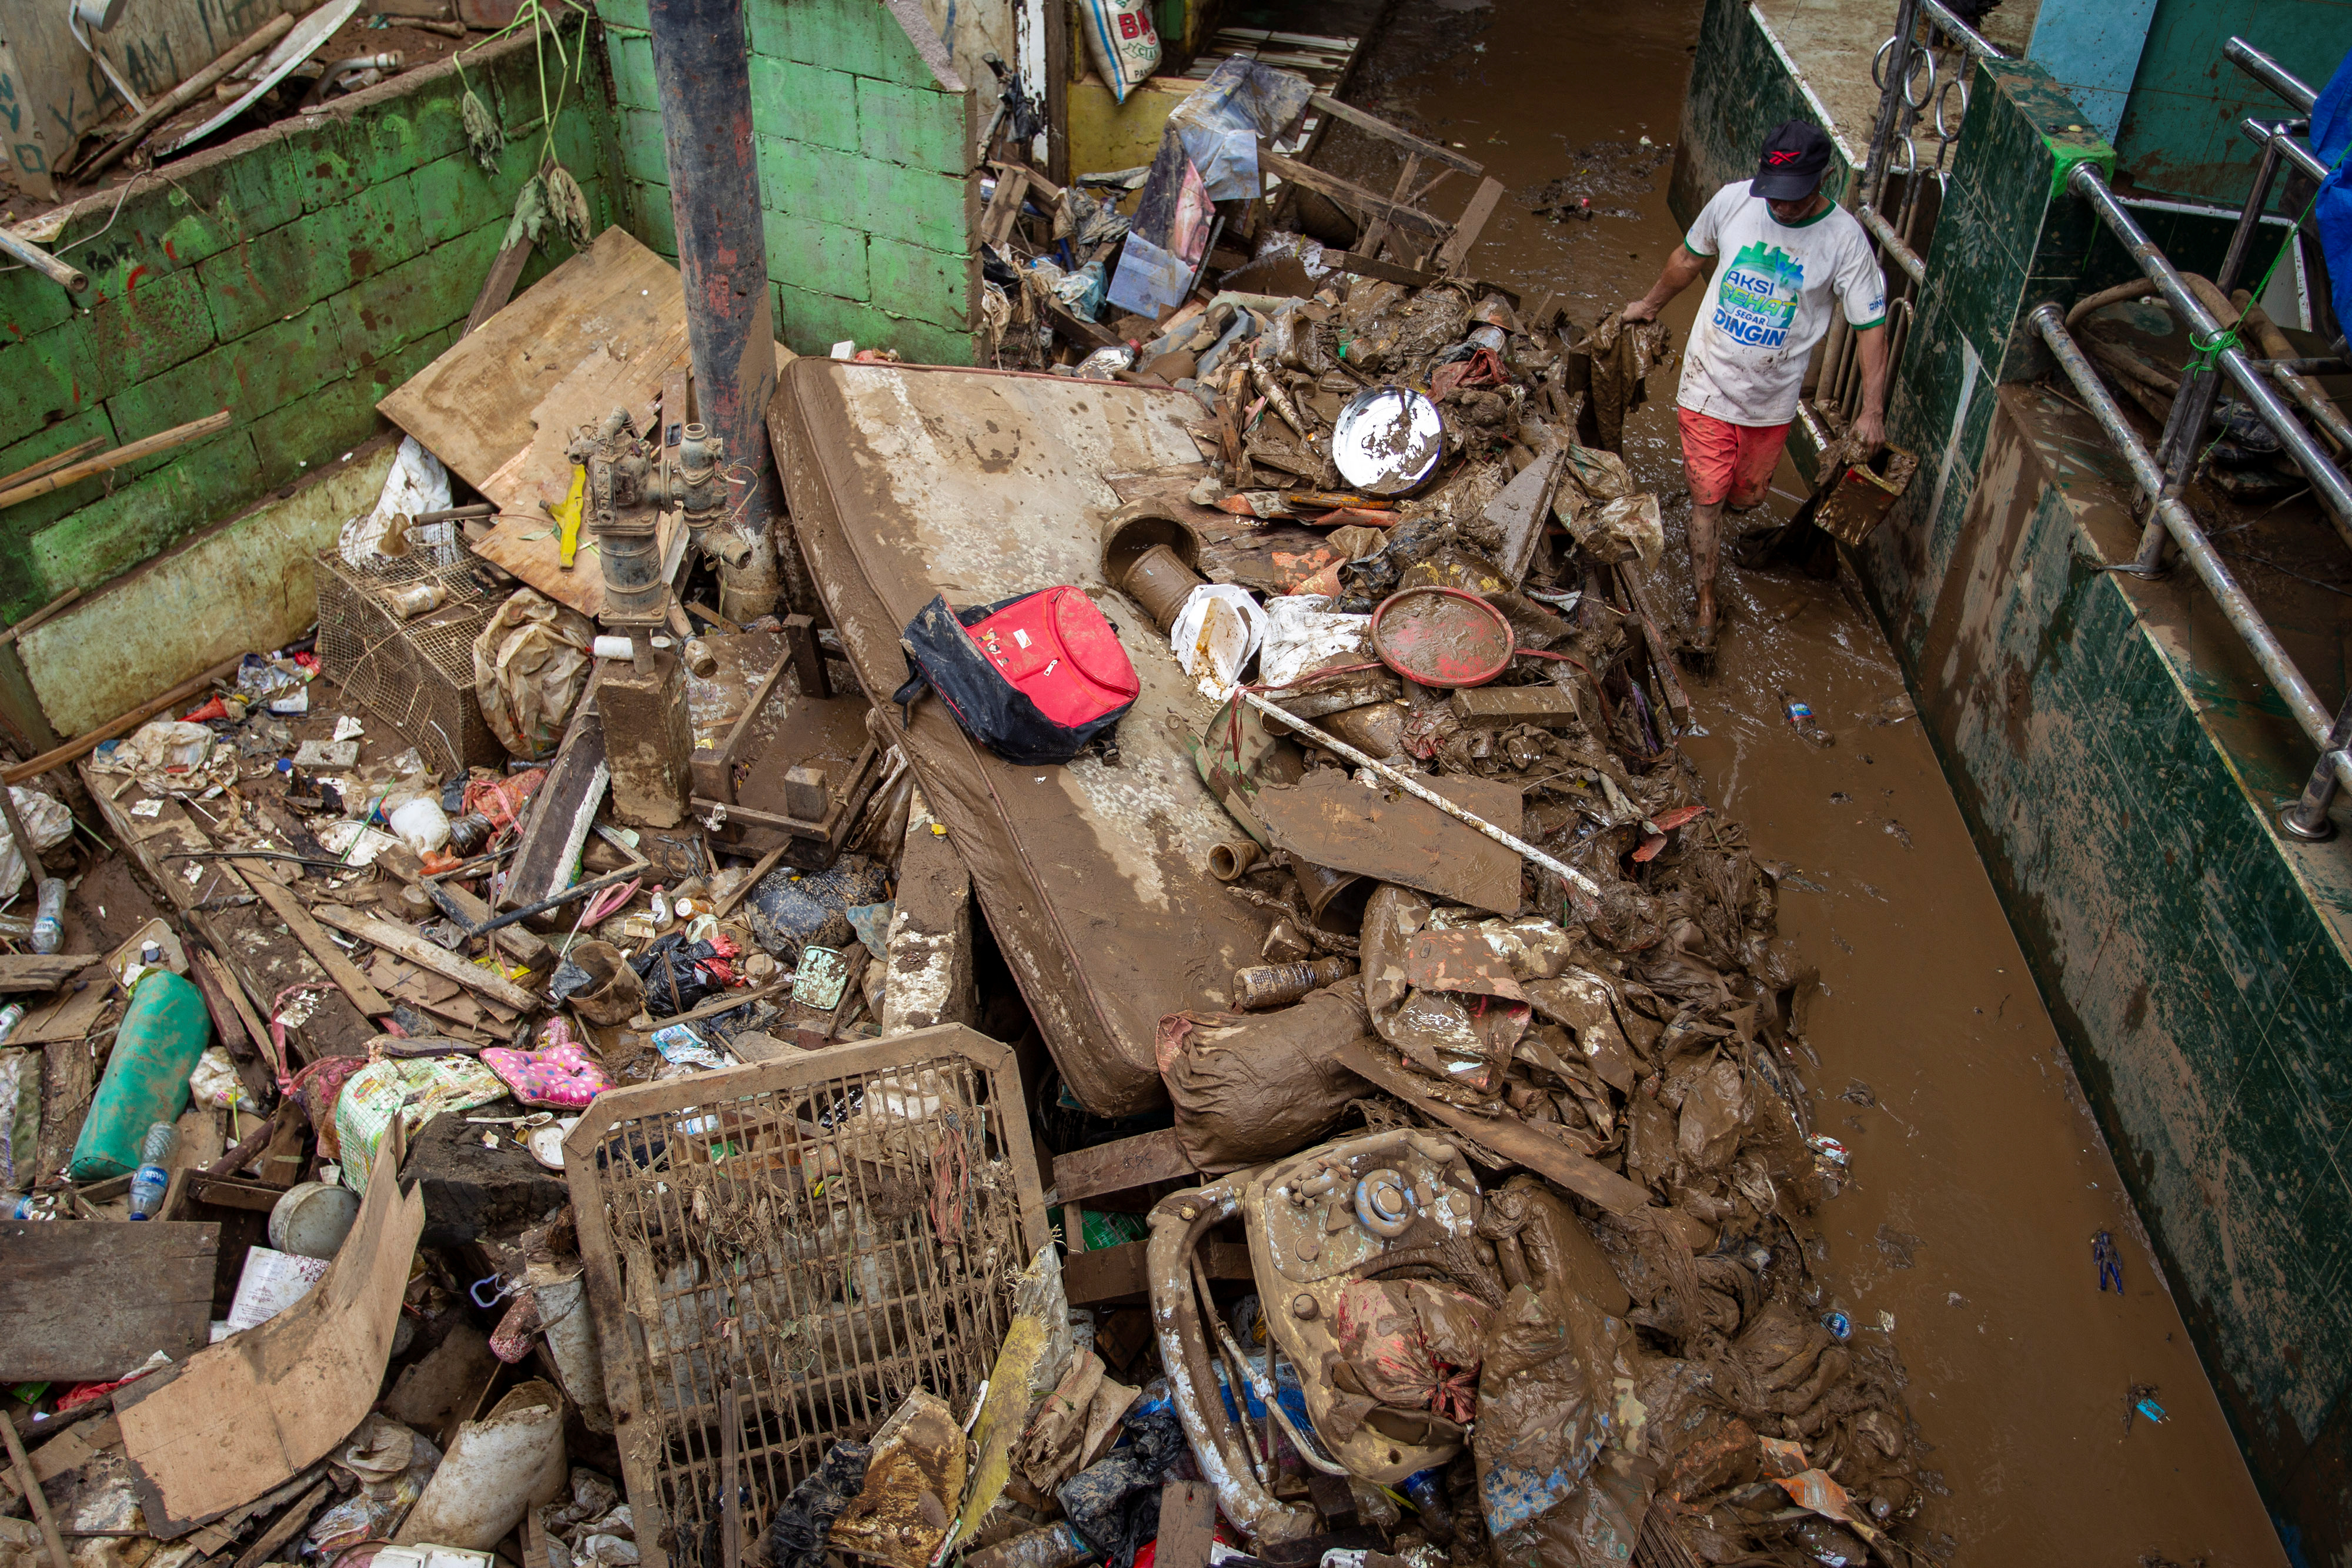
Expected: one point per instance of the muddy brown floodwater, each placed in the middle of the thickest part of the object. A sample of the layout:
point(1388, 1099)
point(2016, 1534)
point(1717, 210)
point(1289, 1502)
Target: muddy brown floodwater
point(1980, 1180)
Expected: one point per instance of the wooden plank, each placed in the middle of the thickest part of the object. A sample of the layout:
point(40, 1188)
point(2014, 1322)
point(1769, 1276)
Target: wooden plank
point(1372, 202)
point(283, 1530)
point(340, 968)
point(506, 271)
point(427, 955)
point(1188, 1524)
point(1134, 1162)
point(1115, 1272)
point(1436, 152)
point(87, 1302)
point(1508, 1137)
point(255, 1029)
point(1365, 266)
point(1455, 251)
point(561, 811)
point(69, 1017)
point(1662, 658)
point(41, 972)
point(525, 947)
point(68, 1451)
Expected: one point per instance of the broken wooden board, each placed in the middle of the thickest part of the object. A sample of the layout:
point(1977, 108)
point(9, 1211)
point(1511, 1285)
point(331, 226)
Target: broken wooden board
point(563, 811)
point(68, 1451)
point(251, 1413)
point(1330, 820)
point(41, 972)
point(69, 1017)
point(427, 955)
point(606, 329)
point(87, 1303)
point(1517, 1142)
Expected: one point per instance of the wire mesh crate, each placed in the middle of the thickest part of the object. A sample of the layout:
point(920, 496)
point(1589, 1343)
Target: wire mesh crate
point(417, 675)
point(823, 1234)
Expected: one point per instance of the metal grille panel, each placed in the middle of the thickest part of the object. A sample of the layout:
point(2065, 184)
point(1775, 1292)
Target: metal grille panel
point(824, 1233)
point(417, 675)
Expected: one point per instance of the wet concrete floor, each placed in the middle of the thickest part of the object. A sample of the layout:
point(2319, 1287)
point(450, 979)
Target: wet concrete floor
point(1981, 1180)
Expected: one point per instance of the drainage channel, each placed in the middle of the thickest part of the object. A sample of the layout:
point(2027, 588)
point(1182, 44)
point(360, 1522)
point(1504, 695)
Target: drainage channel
point(1982, 1181)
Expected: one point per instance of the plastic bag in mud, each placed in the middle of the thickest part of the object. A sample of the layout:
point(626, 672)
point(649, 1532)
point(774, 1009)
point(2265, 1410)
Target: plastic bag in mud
point(1115, 1505)
point(678, 975)
point(1544, 1404)
point(1414, 1344)
point(391, 1464)
point(1252, 1089)
point(531, 664)
point(788, 909)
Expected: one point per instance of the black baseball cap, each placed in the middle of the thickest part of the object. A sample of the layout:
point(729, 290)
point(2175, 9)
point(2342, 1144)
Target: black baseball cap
point(1796, 155)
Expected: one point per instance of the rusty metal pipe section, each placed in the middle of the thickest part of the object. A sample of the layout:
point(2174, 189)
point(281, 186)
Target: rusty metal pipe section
point(2327, 481)
point(1179, 1222)
point(2283, 138)
point(65, 275)
point(2305, 818)
point(1902, 254)
point(2236, 608)
point(702, 71)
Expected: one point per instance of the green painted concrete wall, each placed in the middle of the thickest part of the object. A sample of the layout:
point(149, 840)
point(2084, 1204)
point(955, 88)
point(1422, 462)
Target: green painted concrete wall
point(1741, 85)
point(865, 163)
point(2119, 759)
point(293, 282)
point(2179, 134)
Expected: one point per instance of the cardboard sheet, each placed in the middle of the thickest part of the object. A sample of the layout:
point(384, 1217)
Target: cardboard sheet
point(250, 1413)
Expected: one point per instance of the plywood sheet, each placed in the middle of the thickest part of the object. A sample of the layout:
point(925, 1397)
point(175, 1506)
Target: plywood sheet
point(88, 1301)
point(1330, 819)
point(606, 329)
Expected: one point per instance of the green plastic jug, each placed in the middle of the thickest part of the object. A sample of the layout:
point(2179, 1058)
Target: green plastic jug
point(163, 1031)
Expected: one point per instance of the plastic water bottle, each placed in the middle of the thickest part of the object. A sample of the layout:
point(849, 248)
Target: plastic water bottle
point(148, 1182)
point(32, 1206)
point(1801, 719)
point(49, 918)
point(10, 1017)
point(1427, 1489)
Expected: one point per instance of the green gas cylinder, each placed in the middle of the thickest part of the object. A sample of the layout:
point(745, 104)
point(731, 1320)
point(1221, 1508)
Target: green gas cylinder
point(163, 1031)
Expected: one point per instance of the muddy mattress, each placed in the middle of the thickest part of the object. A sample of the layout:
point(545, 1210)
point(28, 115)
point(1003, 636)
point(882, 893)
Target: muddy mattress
point(909, 481)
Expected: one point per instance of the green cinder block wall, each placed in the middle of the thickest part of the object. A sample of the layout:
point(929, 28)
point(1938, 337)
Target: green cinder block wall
point(292, 281)
point(865, 174)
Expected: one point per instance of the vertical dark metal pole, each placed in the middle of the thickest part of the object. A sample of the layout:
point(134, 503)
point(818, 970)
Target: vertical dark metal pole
point(702, 71)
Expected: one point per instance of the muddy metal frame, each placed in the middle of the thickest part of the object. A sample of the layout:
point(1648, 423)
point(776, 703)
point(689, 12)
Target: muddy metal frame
point(806, 1240)
point(2169, 522)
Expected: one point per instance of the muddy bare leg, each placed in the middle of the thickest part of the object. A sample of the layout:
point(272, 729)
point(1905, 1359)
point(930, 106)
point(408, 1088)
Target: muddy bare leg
point(1705, 552)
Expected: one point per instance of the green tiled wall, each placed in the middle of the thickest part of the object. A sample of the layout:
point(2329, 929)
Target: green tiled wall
point(293, 283)
point(864, 174)
point(1741, 86)
point(2180, 135)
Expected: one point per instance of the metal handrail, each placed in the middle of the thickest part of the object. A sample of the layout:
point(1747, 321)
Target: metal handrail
point(1968, 37)
point(2327, 481)
point(2280, 138)
point(2271, 74)
point(1892, 243)
point(2307, 817)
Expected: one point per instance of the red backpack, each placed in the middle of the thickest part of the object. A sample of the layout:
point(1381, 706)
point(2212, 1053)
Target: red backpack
point(1034, 679)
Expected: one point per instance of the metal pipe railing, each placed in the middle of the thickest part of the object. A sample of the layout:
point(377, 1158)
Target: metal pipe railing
point(1892, 243)
point(2281, 137)
point(2269, 73)
point(2242, 238)
point(2327, 481)
point(2236, 608)
point(1967, 37)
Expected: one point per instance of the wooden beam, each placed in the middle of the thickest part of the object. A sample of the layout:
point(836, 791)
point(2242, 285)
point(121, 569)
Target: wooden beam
point(41, 972)
point(1436, 152)
point(1135, 1162)
point(305, 930)
point(88, 467)
point(1455, 251)
point(1365, 266)
point(58, 757)
point(1116, 1271)
point(525, 947)
point(287, 1526)
point(425, 954)
point(1351, 196)
point(68, 1451)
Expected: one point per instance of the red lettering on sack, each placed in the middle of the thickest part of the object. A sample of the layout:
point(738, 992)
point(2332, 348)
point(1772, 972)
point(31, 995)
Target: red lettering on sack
point(1127, 28)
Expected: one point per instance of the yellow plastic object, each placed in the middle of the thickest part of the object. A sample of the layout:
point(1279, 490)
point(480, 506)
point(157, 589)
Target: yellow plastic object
point(567, 517)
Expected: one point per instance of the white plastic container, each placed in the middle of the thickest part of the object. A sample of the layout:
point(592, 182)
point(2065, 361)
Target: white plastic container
point(421, 824)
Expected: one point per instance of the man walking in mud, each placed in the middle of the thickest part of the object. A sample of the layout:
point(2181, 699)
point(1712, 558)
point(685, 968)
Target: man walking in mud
point(1777, 250)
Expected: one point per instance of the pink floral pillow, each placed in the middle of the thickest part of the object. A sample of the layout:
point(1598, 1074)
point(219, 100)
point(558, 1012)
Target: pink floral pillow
point(561, 1077)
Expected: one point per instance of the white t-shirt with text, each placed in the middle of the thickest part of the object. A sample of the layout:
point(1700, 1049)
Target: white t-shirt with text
point(1768, 303)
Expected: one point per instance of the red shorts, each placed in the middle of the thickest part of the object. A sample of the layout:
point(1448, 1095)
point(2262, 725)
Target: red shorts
point(1728, 462)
